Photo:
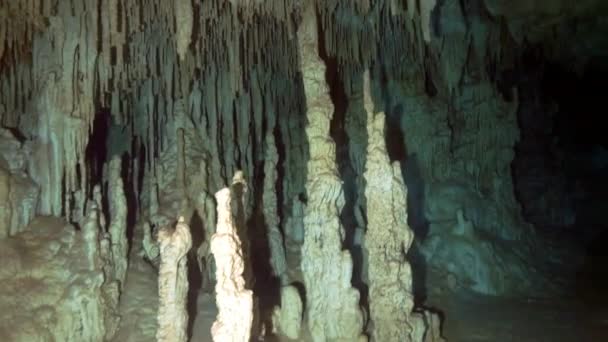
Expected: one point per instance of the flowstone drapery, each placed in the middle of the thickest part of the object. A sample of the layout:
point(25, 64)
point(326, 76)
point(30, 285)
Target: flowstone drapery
point(333, 311)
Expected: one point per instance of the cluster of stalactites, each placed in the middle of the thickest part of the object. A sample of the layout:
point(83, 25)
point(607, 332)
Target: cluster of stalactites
point(82, 61)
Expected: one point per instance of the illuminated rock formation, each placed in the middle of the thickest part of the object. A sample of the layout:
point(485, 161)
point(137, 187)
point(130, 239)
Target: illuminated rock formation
point(388, 240)
point(173, 283)
point(234, 301)
point(332, 304)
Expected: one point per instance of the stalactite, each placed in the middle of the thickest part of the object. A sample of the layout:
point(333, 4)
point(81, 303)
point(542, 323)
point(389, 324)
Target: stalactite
point(426, 7)
point(332, 303)
point(173, 283)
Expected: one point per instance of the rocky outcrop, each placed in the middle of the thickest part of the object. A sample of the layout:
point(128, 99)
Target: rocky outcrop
point(234, 301)
point(173, 283)
point(6, 207)
point(332, 304)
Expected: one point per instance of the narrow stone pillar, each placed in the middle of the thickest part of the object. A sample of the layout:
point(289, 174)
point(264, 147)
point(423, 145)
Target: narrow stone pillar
point(388, 240)
point(332, 303)
point(118, 220)
point(173, 283)
point(271, 213)
point(234, 301)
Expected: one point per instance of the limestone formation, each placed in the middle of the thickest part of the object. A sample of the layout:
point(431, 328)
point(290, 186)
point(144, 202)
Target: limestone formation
point(91, 231)
point(150, 247)
point(183, 14)
point(388, 238)
point(275, 238)
point(234, 301)
point(332, 304)
point(18, 192)
point(149, 107)
point(287, 319)
point(238, 189)
point(71, 298)
point(5, 203)
point(118, 220)
point(173, 283)
point(206, 209)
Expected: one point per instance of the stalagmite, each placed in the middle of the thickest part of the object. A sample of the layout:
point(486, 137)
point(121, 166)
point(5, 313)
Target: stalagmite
point(275, 238)
point(173, 283)
point(288, 318)
point(205, 207)
point(118, 220)
point(333, 311)
point(234, 301)
point(90, 232)
point(5, 203)
point(150, 247)
point(388, 237)
point(238, 205)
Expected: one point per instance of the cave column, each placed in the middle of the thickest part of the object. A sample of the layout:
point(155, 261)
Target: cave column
point(333, 311)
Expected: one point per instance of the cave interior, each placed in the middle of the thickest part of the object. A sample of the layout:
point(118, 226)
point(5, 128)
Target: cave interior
point(303, 170)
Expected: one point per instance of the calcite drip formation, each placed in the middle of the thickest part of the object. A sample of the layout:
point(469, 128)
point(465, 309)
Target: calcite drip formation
point(120, 118)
